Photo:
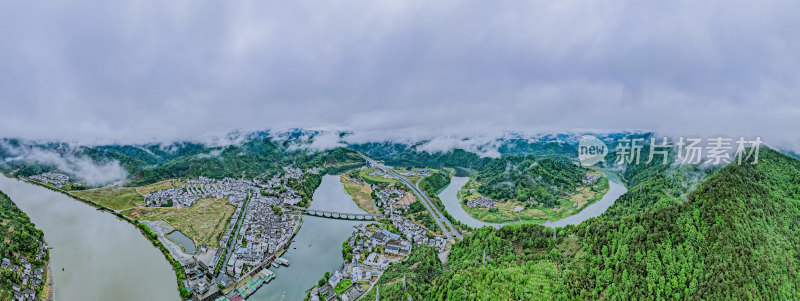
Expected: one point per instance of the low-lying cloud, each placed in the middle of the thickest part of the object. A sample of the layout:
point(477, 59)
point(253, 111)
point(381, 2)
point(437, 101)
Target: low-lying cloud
point(67, 160)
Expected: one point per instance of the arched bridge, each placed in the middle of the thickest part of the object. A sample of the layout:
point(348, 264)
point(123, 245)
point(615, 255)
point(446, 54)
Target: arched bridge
point(340, 215)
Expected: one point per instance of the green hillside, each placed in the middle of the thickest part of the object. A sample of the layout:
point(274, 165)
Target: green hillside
point(732, 236)
point(545, 179)
point(21, 245)
point(146, 164)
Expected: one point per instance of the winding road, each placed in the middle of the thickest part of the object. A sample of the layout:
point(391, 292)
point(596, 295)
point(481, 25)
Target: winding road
point(447, 228)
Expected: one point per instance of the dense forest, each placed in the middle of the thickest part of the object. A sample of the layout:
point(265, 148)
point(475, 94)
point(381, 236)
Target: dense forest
point(18, 230)
point(543, 179)
point(20, 240)
point(397, 154)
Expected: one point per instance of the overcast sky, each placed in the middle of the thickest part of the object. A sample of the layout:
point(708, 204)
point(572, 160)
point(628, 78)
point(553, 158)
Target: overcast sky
point(143, 70)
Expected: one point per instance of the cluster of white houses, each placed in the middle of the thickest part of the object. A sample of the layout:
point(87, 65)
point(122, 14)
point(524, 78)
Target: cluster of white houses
point(257, 230)
point(29, 276)
point(52, 178)
point(234, 190)
point(417, 233)
point(481, 202)
point(397, 209)
point(262, 234)
point(589, 180)
point(372, 249)
point(388, 196)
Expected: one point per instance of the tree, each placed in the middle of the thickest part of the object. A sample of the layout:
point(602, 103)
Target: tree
point(185, 293)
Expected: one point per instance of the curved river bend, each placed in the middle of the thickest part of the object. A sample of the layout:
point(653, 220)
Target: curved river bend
point(453, 205)
point(95, 256)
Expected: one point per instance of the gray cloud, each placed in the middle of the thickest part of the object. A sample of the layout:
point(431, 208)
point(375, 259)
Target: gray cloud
point(135, 72)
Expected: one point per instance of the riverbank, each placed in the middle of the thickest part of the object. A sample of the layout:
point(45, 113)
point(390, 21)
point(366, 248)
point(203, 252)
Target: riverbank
point(48, 290)
point(143, 229)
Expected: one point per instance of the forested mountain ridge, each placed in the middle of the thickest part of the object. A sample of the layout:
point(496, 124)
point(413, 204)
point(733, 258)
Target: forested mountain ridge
point(144, 164)
point(398, 154)
point(254, 158)
point(749, 216)
point(241, 153)
point(733, 235)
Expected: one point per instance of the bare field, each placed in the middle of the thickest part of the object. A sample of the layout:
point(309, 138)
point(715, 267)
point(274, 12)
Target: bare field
point(166, 184)
point(203, 222)
point(361, 193)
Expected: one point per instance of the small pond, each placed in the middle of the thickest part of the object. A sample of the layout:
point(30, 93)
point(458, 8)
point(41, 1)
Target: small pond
point(184, 241)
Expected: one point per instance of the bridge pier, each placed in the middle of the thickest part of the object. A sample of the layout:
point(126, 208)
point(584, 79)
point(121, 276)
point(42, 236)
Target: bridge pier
point(350, 216)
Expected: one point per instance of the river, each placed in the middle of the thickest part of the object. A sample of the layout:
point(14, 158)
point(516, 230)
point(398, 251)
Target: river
point(453, 205)
point(102, 257)
point(317, 247)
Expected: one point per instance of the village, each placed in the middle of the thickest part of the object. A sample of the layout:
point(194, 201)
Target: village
point(418, 234)
point(55, 179)
point(234, 190)
point(25, 277)
point(482, 202)
point(371, 251)
point(258, 231)
point(263, 225)
point(265, 231)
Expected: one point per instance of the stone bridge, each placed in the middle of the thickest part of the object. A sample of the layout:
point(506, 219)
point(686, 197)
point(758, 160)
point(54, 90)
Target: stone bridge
point(340, 215)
